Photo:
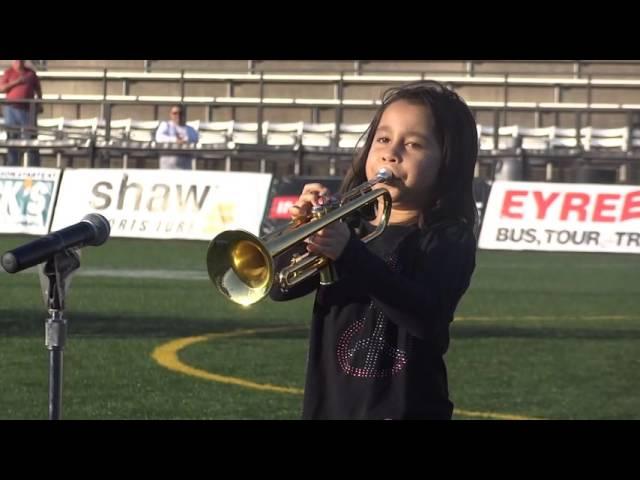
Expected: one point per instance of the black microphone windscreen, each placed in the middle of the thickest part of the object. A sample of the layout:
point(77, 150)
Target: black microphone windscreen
point(101, 226)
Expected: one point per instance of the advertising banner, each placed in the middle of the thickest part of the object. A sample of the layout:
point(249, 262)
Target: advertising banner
point(181, 204)
point(27, 197)
point(566, 217)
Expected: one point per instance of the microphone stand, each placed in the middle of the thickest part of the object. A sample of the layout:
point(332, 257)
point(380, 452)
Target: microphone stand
point(57, 269)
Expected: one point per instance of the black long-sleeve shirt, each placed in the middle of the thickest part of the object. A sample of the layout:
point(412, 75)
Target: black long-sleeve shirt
point(379, 334)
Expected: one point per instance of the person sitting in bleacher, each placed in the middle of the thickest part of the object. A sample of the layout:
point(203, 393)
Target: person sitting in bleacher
point(175, 130)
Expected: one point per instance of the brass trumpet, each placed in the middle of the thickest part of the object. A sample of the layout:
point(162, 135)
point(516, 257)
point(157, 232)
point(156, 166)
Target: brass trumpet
point(241, 265)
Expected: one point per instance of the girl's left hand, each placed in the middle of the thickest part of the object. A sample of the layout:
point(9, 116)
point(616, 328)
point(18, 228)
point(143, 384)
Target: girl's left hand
point(330, 241)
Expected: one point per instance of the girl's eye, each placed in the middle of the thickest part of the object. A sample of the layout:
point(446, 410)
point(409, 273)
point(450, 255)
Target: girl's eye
point(414, 145)
point(382, 139)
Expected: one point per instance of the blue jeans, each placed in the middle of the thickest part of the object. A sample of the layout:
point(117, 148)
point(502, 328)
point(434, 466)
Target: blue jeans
point(16, 118)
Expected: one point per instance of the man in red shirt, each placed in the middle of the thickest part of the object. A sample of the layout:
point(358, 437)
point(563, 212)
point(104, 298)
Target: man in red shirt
point(20, 83)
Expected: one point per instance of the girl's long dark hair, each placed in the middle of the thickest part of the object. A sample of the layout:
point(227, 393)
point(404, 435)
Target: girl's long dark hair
point(456, 134)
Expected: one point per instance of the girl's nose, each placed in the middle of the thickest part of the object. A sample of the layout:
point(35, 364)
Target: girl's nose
point(390, 157)
point(390, 154)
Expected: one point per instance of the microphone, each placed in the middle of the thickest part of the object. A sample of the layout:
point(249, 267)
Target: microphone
point(93, 230)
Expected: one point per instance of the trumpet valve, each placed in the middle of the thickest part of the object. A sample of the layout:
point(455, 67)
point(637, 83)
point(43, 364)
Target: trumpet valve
point(326, 203)
point(318, 211)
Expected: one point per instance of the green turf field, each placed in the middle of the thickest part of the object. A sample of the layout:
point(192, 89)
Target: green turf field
point(539, 335)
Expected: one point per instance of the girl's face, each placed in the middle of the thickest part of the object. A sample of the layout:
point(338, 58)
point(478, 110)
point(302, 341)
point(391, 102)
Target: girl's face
point(405, 143)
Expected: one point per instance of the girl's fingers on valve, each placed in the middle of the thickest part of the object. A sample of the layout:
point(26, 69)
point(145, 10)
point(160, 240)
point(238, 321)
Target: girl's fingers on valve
point(304, 204)
point(312, 191)
point(315, 187)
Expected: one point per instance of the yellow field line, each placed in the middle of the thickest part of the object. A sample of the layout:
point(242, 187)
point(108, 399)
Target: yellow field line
point(492, 415)
point(167, 356)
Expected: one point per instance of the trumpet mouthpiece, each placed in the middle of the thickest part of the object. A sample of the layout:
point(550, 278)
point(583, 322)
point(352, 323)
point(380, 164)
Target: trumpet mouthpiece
point(384, 175)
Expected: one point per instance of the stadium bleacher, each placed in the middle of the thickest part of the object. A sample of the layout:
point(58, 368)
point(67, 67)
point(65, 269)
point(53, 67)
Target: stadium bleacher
point(254, 110)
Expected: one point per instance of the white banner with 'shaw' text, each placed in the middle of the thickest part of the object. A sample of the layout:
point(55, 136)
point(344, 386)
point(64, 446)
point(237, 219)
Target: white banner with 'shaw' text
point(27, 196)
point(180, 204)
point(567, 217)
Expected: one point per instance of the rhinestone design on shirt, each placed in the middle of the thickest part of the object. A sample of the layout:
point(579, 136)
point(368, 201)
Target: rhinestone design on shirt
point(372, 357)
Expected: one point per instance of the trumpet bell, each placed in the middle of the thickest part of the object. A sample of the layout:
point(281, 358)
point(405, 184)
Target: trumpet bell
point(240, 266)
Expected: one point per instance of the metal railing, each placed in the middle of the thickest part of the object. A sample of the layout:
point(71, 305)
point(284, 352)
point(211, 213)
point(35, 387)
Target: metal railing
point(97, 146)
point(339, 81)
point(498, 109)
point(576, 68)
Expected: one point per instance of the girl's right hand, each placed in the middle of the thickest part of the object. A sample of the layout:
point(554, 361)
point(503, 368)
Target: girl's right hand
point(301, 210)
